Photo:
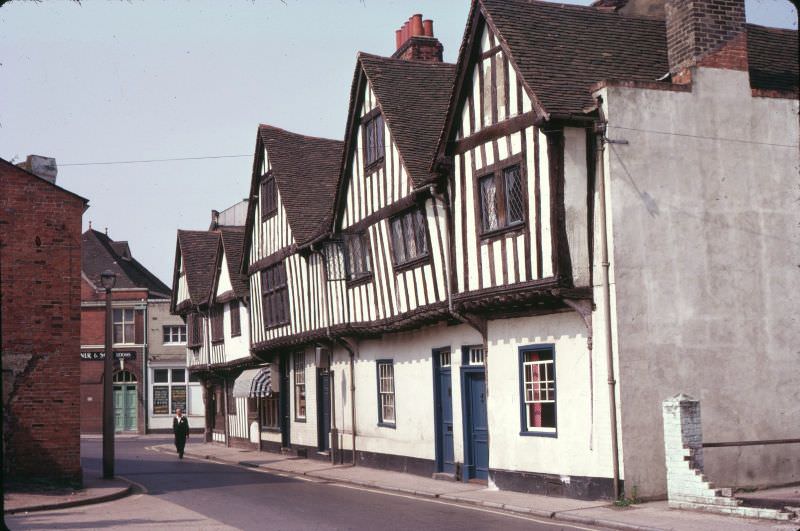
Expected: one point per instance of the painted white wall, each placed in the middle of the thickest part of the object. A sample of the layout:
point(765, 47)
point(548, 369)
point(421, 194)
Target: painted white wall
point(237, 347)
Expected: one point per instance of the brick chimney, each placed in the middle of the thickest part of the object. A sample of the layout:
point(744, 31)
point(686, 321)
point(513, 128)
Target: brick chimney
point(415, 41)
point(708, 33)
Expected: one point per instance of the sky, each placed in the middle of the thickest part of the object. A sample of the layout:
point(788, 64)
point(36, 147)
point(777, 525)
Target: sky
point(97, 82)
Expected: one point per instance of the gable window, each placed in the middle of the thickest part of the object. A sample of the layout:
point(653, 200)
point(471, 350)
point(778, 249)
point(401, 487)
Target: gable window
point(269, 197)
point(174, 334)
point(538, 382)
point(299, 386)
point(358, 256)
point(236, 323)
point(275, 296)
point(217, 330)
point(373, 140)
point(195, 329)
point(386, 416)
point(501, 199)
point(124, 327)
point(409, 237)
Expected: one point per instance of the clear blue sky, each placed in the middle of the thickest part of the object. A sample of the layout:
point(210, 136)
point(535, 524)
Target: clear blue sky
point(122, 81)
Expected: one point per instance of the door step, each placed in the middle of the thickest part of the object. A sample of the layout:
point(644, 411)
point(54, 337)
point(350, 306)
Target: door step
point(444, 476)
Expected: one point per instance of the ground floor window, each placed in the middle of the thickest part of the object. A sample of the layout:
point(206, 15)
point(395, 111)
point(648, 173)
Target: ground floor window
point(269, 412)
point(172, 389)
point(538, 383)
point(386, 411)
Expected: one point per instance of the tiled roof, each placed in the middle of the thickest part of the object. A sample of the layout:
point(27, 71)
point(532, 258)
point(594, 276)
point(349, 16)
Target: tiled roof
point(561, 50)
point(413, 97)
point(198, 250)
point(772, 54)
point(99, 252)
point(306, 169)
point(233, 244)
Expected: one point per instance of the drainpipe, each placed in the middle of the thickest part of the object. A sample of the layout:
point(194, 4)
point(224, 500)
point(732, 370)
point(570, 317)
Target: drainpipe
point(351, 350)
point(600, 127)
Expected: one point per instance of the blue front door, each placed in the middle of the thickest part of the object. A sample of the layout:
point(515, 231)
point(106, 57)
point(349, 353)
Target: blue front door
point(445, 461)
point(476, 428)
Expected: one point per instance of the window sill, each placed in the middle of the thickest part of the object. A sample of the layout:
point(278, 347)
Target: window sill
point(387, 425)
point(374, 166)
point(496, 233)
point(174, 344)
point(217, 341)
point(411, 264)
point(270, 430)
point(269, 215)
point(268, 327)
point(550, 434)
point(364, 279)
point(236, 335)
point(302, 420)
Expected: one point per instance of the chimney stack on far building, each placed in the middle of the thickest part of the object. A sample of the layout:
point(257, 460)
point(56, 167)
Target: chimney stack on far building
point(709, 33)
point(44, 167)
point(415, 41)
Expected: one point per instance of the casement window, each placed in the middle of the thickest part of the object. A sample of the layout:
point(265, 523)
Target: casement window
point(538, 382)
point(275, 296)
point(501, 199)
point(386, 410)
point(358, 256)
point(373, 140)
point(300, 386)
point(195, 328)
point(174, 334)
point(217, 325)
point(231, 399)
point(409, 237)
point(236, 322)
point(170, 392)
point(269, 412)
point(269, 196)
point(124, 326)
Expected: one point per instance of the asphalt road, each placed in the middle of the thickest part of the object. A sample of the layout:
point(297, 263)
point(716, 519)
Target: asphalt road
point(197, 494)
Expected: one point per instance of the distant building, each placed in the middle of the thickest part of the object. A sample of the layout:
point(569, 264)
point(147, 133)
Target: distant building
point(40, 225)
point(135, 288)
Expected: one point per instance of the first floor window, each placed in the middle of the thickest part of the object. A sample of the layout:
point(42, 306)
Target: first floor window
point(501, 199)
point(124, 326)
point(217, 325)
point(386, 393)
point(236, 322)
point(358, 256)
point(409, 236)
point(300, 385)
point(195, 329)
point(275, 295)
point(538, 389)
point(268, 412)
point(175, 334)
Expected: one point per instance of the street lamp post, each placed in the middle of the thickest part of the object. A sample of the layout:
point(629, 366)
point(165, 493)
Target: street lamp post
point(108, 278)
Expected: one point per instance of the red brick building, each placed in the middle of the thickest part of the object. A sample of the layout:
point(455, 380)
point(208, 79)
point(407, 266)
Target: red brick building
point(40, 254)
point(134, 287)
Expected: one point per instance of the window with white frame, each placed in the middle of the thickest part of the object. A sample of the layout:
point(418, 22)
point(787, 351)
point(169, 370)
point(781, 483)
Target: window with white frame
point(170, 391)
point(475, 356)
point(270, 412)
point(386, 409)
point(174, 334)
point(300, 386)
point(124, 325)
point(538, 389)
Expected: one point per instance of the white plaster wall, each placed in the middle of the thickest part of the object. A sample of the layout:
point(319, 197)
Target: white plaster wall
point(704, 205)
point(575, 203)
point(224, 280)
point(236, 347)
point(582, 444)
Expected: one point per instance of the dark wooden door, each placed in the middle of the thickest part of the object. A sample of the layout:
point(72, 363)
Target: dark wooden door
point(477, 427)
point(445, 458)
point(323, 409)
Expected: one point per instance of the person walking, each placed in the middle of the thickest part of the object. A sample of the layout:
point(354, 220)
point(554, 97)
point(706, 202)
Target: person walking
point(180, 427)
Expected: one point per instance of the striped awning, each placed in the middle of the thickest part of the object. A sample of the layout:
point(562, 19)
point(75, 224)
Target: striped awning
point(253, 383)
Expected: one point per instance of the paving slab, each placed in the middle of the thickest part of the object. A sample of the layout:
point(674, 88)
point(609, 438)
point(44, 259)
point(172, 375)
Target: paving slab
point(95, 490)
point(395, 481)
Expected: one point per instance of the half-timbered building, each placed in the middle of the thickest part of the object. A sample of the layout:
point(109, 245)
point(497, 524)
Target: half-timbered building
point(292, 307)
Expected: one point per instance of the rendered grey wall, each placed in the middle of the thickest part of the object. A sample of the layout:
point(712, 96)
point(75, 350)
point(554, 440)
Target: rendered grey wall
point(705, 206)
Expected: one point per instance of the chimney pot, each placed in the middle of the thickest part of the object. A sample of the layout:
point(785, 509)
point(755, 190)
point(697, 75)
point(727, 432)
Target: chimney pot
point(416, 26)
point(404, 29)
point(398, 38)
point(427, 27)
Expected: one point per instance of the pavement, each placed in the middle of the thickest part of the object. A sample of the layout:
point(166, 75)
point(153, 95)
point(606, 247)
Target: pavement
point(648, 516)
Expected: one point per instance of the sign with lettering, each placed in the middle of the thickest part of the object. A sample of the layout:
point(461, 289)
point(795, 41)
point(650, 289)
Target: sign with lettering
point(161, 400)
point(92, 356)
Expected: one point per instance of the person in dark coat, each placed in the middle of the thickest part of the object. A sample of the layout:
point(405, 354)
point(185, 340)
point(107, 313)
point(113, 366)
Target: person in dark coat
point(180, 427)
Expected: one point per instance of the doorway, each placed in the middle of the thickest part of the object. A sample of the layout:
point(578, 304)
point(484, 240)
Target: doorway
point(284, 403)
point(443, 395)
point(125, 407)
point(476, 426)
point(323, 409)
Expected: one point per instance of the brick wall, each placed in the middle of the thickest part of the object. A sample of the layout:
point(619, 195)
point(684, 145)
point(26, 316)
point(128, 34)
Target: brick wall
point(40, 235)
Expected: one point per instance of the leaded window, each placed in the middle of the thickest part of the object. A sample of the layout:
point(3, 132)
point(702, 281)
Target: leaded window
point(373, 140)
point(358, 256)
point(269, 196)
point(275, 295)
point(409, 237)
point(217, 325)
point(236, 322)
point(502, 199)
